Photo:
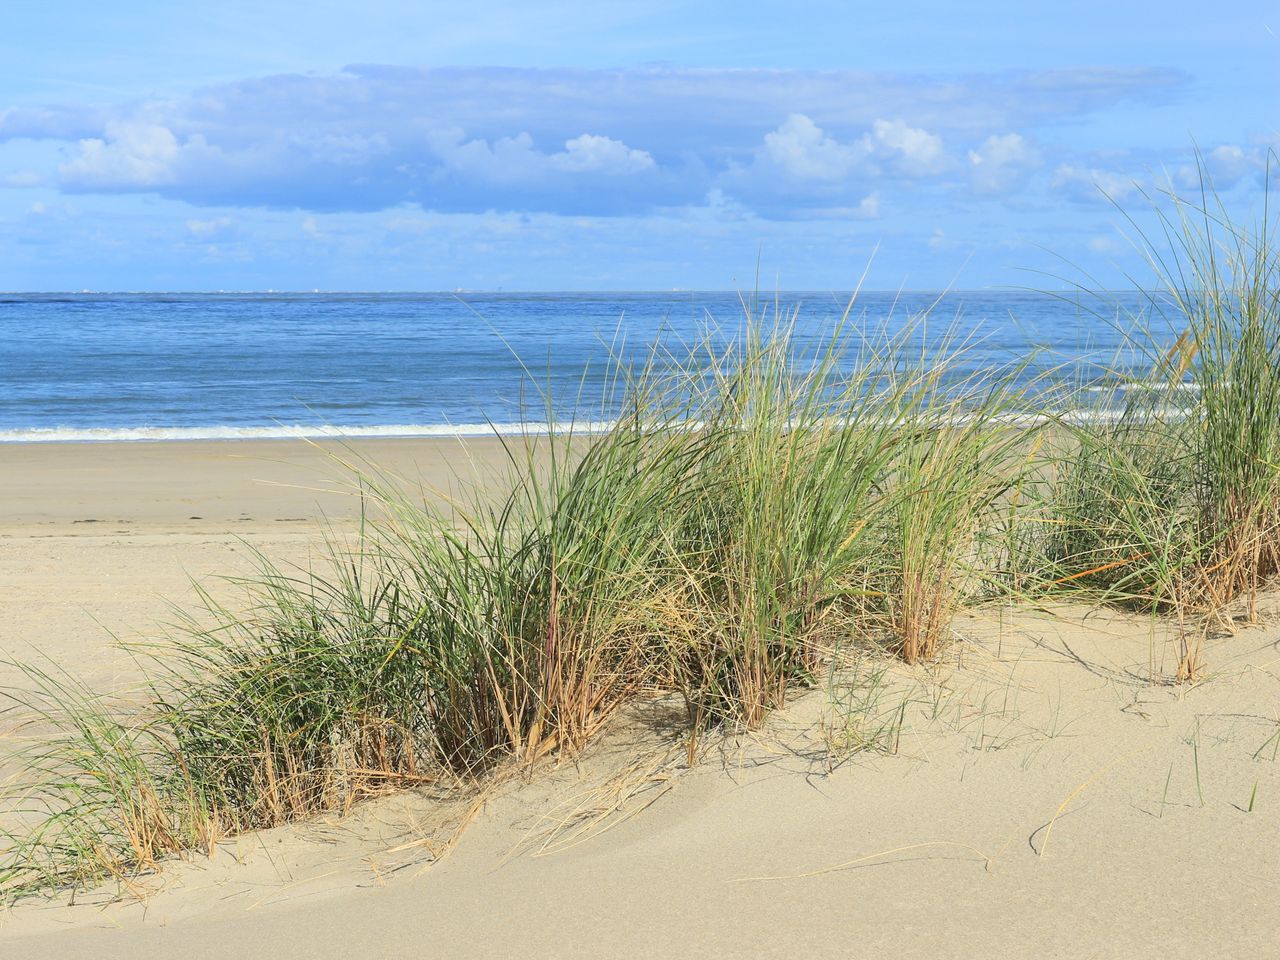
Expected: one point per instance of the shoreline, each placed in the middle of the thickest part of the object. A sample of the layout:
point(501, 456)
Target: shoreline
point(321, 433)
point(327, 433)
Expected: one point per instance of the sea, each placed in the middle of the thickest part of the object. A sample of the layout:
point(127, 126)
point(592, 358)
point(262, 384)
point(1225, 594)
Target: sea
point(165, 366)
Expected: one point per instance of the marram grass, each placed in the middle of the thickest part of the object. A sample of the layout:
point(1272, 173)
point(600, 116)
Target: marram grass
point(750, 512)
point(1175, 504)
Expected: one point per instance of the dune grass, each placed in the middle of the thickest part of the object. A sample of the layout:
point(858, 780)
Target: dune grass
point(750, 511)
point(1174, 504)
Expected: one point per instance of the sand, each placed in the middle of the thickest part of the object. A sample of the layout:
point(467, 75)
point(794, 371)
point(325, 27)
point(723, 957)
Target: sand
point(98, 538)
point(1043, 799)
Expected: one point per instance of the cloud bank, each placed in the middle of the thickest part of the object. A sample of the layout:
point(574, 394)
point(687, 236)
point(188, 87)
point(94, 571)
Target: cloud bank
point(780, 143)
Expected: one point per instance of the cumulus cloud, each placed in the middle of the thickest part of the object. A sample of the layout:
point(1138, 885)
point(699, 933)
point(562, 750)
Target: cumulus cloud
point(909, 150)
point(1230, 162)
point(565, 141)
point(1222, 167)
point(1002, 163)
point(594, 154)
point(130, 155)
point(802, 149)
point(515, 159)
point(443, 169)
point(1093, 185)
point(800, 169)
point(1226, 165)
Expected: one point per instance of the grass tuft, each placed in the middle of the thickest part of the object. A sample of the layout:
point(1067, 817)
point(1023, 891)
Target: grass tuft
point(1168, 497)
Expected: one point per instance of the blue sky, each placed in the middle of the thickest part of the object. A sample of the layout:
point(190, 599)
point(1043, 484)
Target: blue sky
point(603, 145)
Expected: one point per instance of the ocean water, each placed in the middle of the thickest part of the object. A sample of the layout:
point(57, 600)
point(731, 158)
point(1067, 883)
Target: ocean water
point(178, 366)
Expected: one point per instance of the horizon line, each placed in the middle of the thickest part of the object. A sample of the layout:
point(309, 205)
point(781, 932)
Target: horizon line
point(581, 291)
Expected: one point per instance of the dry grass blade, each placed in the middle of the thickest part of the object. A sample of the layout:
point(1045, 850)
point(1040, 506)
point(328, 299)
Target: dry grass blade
point(871, 858)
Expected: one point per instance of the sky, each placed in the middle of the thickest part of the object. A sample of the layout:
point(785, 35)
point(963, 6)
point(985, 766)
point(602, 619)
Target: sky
point(327, 145)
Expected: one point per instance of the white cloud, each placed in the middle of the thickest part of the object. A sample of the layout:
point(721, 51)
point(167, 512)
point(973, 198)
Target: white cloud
point(720, 206)
point(131, 155)
point(1226, 165)
point(594, 154)
point(802, 149)
point(911, 151)
point(1231, 162)
point(779, 143)
point(1092, 185)
point(1002, 163)
point(516, 159)
point(869, 206)
point(801, 169)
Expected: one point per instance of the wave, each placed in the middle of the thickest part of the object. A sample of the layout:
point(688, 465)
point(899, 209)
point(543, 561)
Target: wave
point(286, 432)
point(1143, 386)
point(463, 430)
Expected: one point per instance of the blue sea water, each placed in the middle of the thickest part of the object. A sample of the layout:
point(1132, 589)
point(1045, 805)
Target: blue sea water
point(160, 366)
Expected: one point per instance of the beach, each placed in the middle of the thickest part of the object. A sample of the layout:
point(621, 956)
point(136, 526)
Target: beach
point(554, 481)
point(97, 538)
point(1042, 797)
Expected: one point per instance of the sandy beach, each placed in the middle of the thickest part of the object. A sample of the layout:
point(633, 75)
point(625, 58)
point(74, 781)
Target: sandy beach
point(95, 538)
point(799, 484)
point(1042, 797)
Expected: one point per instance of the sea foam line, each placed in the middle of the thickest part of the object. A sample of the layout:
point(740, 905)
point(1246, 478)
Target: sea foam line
point(287, 432)
point(472, 430)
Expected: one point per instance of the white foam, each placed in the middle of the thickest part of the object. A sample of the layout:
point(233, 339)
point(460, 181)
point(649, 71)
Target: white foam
point(287, 432)
point(1143, 386)
point(462, 430)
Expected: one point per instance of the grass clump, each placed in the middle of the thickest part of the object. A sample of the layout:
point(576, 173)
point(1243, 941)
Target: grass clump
point(821, 476)
point(103, 793)
point(762, 501)
point(771, 546)
point(956, 470)
point(1174, 502)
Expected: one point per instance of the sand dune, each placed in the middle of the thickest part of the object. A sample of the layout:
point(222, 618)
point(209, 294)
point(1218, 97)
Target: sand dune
point(1043, 798)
